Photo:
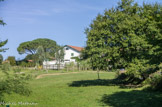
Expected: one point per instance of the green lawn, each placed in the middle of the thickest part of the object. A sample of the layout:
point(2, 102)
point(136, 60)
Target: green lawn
point(83, 90)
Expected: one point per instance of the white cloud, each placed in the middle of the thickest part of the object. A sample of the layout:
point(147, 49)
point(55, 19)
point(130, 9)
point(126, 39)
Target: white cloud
point(36, 12)
point(74, 7)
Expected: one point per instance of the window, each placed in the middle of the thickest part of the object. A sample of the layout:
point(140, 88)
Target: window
point(72, 54)
point(66, 60)
point(67, 48)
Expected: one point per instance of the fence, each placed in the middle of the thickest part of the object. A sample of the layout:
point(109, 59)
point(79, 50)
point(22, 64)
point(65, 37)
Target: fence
point(54, 66)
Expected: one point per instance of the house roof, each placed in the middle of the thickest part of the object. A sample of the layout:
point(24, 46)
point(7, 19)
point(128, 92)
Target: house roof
point(76, 48)
point(30, 60)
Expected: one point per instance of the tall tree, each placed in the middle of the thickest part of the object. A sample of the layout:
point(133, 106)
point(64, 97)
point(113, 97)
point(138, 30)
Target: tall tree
point(31, 47)
point(11, 83)
point(59, 56)
point(41, 54)
point(2, 43)
point(128, 36)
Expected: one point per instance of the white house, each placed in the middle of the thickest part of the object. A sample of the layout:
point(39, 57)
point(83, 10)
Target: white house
point(70, 52)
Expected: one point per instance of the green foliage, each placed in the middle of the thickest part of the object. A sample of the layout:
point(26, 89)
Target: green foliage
point(41, 55)
point(5, 67)
point(11, 83)
point(27, 64)
point(155, 79)
point(1, 21)
point(2, 43)
point(128, 36)
point(1, 59)
point(84, 65)
point(38, 50)
point(59, 55)
point(30, 47)
point(15, 83)
point(12, 60)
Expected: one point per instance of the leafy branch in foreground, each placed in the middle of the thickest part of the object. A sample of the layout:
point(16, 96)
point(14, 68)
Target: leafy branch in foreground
point(13, 83)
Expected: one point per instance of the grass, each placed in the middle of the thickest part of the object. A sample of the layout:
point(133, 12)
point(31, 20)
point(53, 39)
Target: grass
point(83, 90)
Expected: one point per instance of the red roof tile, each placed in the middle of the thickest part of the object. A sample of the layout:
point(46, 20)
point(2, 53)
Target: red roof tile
point(30, 60)
point(76, 48)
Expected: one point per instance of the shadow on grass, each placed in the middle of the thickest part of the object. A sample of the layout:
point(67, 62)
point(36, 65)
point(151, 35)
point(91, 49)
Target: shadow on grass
point(133, 99)
point(101, 82)
point(98, 82)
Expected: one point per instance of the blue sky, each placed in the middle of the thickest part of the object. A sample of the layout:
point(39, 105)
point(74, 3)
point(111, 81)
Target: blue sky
point(61, 20)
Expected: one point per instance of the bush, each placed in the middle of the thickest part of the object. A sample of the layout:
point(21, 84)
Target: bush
point(13, 83)
point(155, 79)
point(27, 64)
point(5, 67)
point(12, 60)
point(121, 74)
point(1, 59)
point(137, 72)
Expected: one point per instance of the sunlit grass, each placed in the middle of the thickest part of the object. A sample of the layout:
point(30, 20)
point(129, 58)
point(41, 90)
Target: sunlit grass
point(62, 91)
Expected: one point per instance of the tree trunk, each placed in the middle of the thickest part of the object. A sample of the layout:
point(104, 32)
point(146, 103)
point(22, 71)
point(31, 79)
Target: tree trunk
point(46, 67)
point(98, 73)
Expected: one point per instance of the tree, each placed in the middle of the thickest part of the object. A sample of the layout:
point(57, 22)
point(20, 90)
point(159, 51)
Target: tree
point(30, 47)
point(59, 55)
point(2, 43)
point(1, 21)
point(128, 36)
point(1, 59)
point(12, 60)
point(41, 55)
point(15, 83)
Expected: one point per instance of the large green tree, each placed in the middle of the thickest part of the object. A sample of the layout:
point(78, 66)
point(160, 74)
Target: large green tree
point(30, 47)
point(128, 36)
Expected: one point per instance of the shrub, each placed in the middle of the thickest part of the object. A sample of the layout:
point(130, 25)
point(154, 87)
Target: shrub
point(121, 74)
point(27, 64)
point(12, 60)
point(1, 59)
point(137, 72)
point(5, 67)
point(155, 79)
point(13, 83)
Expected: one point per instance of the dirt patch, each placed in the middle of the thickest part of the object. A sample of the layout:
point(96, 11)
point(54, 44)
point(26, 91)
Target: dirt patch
point(44, 75)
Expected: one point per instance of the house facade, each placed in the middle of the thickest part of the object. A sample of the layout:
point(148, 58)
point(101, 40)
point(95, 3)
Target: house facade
point(69, 53)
